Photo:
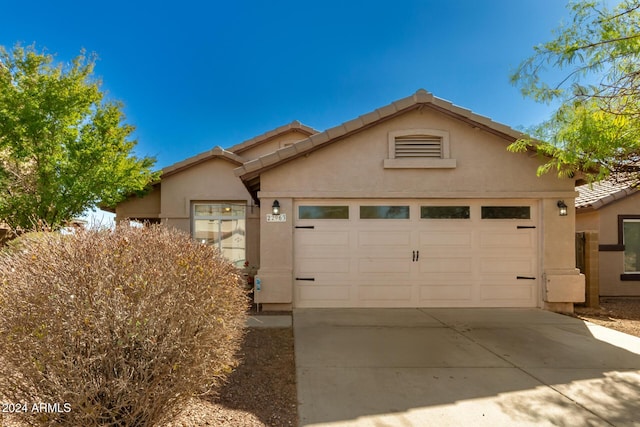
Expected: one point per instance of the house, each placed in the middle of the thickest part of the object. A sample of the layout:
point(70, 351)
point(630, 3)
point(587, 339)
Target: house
point(612, 209)
point(415, 204)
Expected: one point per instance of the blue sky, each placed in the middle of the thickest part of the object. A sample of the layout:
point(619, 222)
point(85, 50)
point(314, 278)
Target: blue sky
point(196, 74)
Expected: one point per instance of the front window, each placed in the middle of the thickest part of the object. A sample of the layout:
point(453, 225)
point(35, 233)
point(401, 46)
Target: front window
point(631, 236)
point(222, 225)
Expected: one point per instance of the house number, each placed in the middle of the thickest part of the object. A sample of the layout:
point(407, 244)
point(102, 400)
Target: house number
point(277, 218)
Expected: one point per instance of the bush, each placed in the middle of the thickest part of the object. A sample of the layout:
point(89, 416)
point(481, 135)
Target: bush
point(115, 328)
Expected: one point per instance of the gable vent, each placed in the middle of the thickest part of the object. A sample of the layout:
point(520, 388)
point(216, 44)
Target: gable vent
point(418, 146)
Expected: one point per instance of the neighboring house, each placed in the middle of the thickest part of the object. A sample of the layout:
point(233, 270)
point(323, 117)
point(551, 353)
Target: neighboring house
point(613, 210)
point(416, 204)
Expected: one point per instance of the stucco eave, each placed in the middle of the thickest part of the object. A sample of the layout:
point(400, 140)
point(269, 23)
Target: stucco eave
point(420, 194)
point(584, 210)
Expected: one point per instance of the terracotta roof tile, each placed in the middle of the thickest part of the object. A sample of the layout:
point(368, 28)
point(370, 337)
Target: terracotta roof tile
point(231, 153)
point(354, 124)
point(216, 152)
point(294, 125)
point(599, 194)
point(336, 132)
point(421, 97)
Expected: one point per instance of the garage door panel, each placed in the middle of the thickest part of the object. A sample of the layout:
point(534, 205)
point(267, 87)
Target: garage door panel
point(324, 265)
point(445, 279)
point(506, 293)
point(322, 238)
point(385, 293)
point(315, 293)
point(446, 265)
point(325, 252)
point(384, 265)
point(507, 240)
point(418, 262)
point(448, 292)
point(445, 238)
point(503, 265)
point(383, 239)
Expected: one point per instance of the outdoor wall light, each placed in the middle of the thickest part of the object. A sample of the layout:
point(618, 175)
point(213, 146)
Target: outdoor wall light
point(275, 207)
point(562, 208)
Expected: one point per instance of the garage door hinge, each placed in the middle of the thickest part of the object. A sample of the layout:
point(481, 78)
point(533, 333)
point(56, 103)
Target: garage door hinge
point(526, 226)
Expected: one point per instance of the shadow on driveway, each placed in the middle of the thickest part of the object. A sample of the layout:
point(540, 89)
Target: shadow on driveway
point(420, 367)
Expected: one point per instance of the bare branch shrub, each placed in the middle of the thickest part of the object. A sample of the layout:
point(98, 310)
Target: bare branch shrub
point(115, 328)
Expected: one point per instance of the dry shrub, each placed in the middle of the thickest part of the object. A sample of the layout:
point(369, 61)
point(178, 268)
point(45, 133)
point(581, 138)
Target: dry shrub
point(115, 328)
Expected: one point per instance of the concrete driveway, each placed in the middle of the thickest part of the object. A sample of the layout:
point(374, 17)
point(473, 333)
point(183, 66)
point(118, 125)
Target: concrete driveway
point(462, 367)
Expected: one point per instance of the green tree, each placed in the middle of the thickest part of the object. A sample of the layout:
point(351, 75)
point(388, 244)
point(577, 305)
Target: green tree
point(596, 126)
point(63, 147)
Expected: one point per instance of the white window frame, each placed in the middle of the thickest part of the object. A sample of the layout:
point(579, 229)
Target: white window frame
point(218, 244)
point(444, 162)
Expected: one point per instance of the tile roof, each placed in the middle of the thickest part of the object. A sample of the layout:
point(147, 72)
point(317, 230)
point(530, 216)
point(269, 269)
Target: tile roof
point(216, 152)
point(291, 127)
point(232, 153)
point(251, 169)
point(596, 195)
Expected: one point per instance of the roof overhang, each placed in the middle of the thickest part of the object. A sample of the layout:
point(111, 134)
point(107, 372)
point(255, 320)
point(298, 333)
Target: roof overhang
point(293, 127)
point(215, 153)
point(250, 171)
point(600, 194)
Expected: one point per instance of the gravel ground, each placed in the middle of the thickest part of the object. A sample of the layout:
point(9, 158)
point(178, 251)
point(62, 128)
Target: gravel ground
point(621, 314)
point(261, 392)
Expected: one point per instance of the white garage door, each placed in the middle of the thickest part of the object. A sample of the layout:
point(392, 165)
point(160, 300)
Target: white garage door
point(454, 253)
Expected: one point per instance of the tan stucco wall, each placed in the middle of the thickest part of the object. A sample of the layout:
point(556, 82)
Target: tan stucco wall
point(213, 181)
point(588, 221)
point(353, 168)
point(140, 207)
point(355, 165)
point(605, 220)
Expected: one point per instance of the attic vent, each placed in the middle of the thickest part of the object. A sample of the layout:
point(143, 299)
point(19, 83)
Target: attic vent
point(419, 149)
point(427, 146)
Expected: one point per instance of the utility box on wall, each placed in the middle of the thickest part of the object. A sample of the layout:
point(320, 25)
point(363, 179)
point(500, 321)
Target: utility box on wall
point(564, 288)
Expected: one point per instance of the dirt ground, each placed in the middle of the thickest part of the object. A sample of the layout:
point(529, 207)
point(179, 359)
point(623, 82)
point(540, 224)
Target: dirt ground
point(621, 314)
point(261, 392)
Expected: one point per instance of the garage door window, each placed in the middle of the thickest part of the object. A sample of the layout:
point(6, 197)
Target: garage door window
point(506, 212)
point(444, 212)
point(323, 212)
point(384, 212)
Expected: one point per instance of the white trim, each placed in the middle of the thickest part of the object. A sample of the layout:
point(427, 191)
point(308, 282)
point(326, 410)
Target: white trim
point(416, 195)
point(419, 163)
